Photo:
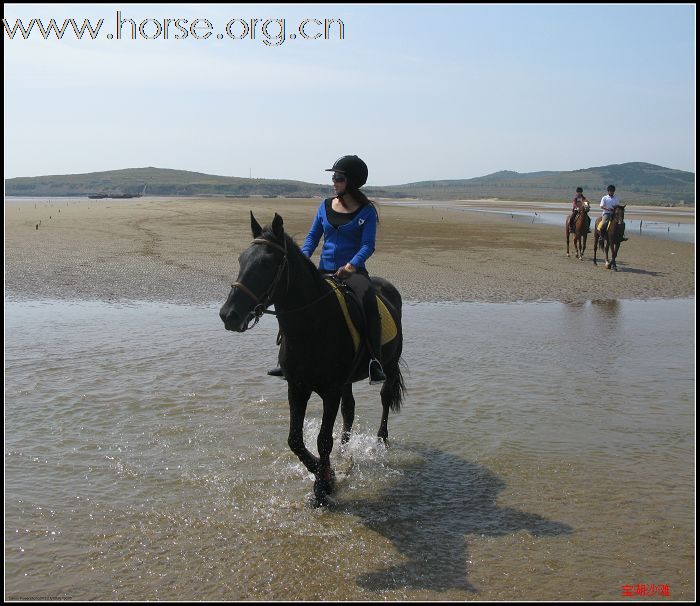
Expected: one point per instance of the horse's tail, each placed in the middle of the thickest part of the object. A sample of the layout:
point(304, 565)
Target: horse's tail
point(394, 389)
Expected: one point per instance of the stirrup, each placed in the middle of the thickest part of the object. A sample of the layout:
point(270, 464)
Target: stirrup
point(378, 376)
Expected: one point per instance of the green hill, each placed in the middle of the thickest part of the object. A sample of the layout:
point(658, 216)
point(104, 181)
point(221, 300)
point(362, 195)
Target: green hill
point(636, 182)
point(157, 182)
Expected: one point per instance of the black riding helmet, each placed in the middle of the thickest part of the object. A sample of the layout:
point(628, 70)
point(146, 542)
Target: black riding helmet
point(579, 190)
point(354, 169)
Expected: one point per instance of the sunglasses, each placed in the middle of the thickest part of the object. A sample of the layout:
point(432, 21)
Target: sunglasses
point(338, 178)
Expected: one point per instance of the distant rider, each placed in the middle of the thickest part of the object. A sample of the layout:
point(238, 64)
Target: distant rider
point(608, 204)
point(580, 203)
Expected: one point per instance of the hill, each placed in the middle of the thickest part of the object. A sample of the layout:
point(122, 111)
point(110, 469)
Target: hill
point(157, 182)
point(636, 182)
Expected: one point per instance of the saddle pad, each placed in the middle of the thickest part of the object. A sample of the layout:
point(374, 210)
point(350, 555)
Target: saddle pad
point(389, 329)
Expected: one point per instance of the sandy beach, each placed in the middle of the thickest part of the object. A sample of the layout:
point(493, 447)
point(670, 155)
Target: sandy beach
point(186, 250)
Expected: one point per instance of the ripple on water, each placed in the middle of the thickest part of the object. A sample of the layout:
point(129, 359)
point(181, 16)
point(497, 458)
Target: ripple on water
point(151, 463)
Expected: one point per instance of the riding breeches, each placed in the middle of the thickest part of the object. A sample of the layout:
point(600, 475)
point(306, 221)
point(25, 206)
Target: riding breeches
point(365, 290)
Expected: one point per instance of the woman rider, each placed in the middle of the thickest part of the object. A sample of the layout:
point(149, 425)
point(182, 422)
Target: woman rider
point(577, 205)
point(348, 224)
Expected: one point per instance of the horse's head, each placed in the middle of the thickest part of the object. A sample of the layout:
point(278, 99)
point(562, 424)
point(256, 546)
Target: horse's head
point(261, 267)
point(619, 213)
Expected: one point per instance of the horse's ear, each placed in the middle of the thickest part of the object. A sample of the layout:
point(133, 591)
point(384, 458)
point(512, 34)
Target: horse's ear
point(278, 227)
point(255, 226)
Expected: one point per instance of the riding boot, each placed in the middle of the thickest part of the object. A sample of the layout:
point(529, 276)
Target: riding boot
point(374, 338)
point(277, 372)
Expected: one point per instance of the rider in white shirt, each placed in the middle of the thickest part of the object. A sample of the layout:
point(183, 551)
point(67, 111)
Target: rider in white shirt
point(608, 204)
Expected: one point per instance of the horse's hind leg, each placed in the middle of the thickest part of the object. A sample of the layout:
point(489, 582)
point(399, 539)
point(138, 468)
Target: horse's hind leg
point(595, 244)
point(386, 394)
point(347, 409)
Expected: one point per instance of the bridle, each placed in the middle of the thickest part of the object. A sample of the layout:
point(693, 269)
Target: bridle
point(263, 302)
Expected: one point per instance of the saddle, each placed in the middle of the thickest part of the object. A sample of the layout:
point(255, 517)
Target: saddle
point(572, 222)
point(353, 312)
point(604, 225)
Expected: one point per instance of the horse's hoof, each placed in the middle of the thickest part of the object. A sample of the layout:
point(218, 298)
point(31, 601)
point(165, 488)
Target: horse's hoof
point(322, 490)
point(345, 437)
point(317, 501)
point(325, 485)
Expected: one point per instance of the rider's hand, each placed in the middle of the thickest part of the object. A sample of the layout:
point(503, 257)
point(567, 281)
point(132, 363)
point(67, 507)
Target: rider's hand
point(345, 271)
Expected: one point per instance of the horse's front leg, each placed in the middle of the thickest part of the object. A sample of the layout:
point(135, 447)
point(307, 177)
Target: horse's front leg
point(613, 261)
point(325, 477)
point(347, 409)
point(567, 239)
point(298, 399)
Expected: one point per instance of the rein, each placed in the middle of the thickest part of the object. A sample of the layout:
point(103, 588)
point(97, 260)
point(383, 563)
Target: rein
point(263, 302)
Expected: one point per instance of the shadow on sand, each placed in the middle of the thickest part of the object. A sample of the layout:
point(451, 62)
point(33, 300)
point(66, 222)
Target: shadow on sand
point(429, 514)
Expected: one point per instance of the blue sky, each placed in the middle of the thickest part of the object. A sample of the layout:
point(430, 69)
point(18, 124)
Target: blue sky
point(418, 91)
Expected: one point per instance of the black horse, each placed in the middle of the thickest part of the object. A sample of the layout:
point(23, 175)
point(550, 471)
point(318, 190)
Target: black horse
point(317, 352)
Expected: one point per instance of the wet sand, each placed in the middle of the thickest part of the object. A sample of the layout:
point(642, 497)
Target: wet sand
point(186, 250)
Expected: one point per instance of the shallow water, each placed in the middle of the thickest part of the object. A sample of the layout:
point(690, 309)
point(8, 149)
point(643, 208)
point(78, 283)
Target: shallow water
point(545, 451)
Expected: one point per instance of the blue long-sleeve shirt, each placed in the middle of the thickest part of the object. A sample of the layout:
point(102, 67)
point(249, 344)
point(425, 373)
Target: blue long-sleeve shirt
point(349, 243)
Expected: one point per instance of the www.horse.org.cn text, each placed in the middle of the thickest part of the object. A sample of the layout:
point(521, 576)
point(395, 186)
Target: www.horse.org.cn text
point(270, 32)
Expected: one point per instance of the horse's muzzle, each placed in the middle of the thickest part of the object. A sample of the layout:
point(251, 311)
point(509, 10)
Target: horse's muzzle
point(232, 321)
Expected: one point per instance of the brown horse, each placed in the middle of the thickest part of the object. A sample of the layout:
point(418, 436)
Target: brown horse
point(581, 225)
point(612, 238)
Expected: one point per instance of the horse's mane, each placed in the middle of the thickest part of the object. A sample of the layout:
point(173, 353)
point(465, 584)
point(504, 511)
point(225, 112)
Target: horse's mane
point(293, 251)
